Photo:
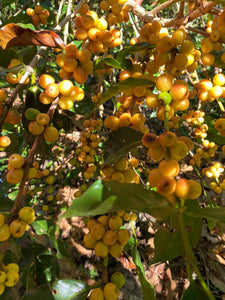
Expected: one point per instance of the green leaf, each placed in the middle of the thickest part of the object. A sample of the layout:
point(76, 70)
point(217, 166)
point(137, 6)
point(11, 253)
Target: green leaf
point(12, 195)
point(123, 85)
point(109, 61)
point(131, 49)
point(108, 196)
point(147, 289)
point(195, 292)
point(69, 289)
point(43, 292)
point(120, 142)
point(169, 243)
point(216, 214)
point(133, 82)
point(6, 204)
point(40, 226)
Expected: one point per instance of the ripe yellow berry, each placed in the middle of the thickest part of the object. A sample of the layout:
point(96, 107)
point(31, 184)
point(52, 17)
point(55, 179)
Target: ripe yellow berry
point(115, 222)
point(96, 294)
point(111, 291)
point(101, 249)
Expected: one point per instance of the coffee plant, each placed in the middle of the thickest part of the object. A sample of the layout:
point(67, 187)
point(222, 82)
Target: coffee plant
point(112, 120)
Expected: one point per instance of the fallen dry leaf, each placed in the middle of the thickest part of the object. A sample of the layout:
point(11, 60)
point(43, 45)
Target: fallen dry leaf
point(15, 35)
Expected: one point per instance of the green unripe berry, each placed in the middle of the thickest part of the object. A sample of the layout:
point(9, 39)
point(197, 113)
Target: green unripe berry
point(118, 279)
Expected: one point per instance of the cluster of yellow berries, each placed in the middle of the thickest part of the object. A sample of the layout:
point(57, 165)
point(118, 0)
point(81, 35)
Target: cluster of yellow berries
point(9, 276)
point(210, 90)
point(127, 216)
point(117, 12)
point(217, 187)
point(38, 125)
point(38, 15)
point(91, 28)
point(215, 28)
point(65, 90)
point(214, 171)
point(105, 236)
point(18, 226)
point(120, 171)
point(208, 150)
point(168, 150)
point(111, 289)
point(87, 149)
point(75, 64)
point(135, 121)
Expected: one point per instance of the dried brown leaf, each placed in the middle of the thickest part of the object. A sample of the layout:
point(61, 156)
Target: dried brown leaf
point(15, 35)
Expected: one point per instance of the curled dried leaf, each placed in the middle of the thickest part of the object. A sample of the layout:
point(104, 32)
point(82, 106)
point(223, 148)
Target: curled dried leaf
point(15, 35)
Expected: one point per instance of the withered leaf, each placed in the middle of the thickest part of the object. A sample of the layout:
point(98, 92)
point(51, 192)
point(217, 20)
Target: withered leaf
point(15, 35)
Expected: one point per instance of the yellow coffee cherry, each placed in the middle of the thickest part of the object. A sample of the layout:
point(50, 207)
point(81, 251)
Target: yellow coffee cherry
point(2, 220)
point(109, 237)
point(12, 278)
point(4, 232)
point(2, 288)
point(2, 277)
point(116, 249)
point(115, 222)
point(11, 267)
point(89, 242)
point(97, 231)
point(126, 216)
point(133, 217)
point(103, 220)
point(96, 294)
point(101, 249)
point(123, 236)
point(111, 291)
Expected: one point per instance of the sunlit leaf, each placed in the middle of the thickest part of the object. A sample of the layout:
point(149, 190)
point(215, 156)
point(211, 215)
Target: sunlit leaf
point(107, 196)
point(69, 289)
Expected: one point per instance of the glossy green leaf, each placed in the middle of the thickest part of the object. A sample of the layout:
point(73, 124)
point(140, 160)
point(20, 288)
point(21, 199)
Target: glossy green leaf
point(109, 196)
point(168, 241)
point(43, 292)
point(216, 214)
point(195, 292)
point(40, 226)
point(125, 84)
point(147, 289)
point(69, 289)
point(12, 195)
point(132, 49)
point(109, 61)
point(120, 142)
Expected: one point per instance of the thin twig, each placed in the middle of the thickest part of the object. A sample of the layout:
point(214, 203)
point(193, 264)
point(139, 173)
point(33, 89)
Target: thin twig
point(66, 28)
point(162, 6)
point(59, 11)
